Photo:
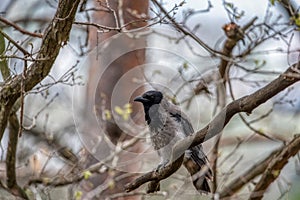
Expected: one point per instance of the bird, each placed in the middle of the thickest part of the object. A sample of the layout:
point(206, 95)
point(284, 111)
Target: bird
point(168, 125)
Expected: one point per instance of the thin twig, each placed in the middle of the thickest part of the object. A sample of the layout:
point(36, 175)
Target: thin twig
point(22, 98)
point(14, 43)
point(179, 27)
point(20, 29)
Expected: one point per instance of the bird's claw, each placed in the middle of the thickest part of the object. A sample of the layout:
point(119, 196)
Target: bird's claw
point(161, 165)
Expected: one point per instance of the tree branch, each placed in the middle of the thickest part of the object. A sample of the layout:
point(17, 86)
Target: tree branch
point(234, 34)
point(237, 183)
point(55, 36)
point(13, 135)
point(11, 157)
point(9, 23)
point(14, 43)
point(245, 104)
point(185, 32)
point(155, 177)
point(274, 168)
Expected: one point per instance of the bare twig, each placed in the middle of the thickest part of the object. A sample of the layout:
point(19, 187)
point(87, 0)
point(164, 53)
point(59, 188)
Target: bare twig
point(98, 26)
point(185, 32)
point(9, 23)
point(22, 98)
point(56, 35)
point(14, 43)
point(234, 34)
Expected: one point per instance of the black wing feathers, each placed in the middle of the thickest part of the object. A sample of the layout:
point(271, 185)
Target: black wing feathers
point(196, 153)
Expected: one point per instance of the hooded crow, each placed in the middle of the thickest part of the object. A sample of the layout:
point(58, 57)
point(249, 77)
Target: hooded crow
point(167, 126)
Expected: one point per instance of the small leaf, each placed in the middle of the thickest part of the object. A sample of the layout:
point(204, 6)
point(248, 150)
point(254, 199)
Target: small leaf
point(78, 195)
point(107, 114)
point(29, 193)
point(275, 173)
point(127, 105)
point(46, 180)
point(128, 108)
point(111, 184)
point(87, 174)
point(229, 5)
point(119, 110)
point(156, 72)
point(125, 116)
point(185, 65)
point(2, 44)
point(297, 20)
point(128, 111)
point(4, 69)
point(261, 130)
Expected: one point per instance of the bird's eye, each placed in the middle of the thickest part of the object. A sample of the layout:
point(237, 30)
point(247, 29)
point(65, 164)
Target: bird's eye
point(149, 97)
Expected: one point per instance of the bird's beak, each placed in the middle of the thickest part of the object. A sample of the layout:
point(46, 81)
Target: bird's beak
point(141, 99)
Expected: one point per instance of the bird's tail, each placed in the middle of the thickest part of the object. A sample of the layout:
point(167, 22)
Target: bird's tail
point(200, 182)
point(197, 165)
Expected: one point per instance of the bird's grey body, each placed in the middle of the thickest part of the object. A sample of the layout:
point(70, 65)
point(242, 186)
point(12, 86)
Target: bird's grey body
point(167, 126)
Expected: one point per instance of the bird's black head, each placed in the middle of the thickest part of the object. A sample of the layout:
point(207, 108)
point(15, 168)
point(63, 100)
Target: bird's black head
point(150, 98)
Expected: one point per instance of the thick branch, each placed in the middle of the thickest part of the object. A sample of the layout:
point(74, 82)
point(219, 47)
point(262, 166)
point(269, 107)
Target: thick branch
point(236, 184)
point(55, 36)
point(11, 157)
point(155, 176)
point(244, 104)
point(275, 167)
point(234, 34)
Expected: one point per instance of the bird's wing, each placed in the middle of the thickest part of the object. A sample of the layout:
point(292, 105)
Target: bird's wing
point(180, 117)
point(196, 152)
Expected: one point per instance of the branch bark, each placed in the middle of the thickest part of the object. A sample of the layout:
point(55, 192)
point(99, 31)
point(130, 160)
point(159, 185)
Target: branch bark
point(11, 157)
point(275, 167)
point(13, 134)
point(155, 177)
point(245, 104)
point(55, 36)
point(236, 184)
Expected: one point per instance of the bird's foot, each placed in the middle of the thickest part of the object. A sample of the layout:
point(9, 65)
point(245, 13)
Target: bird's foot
point(161, 165)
